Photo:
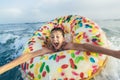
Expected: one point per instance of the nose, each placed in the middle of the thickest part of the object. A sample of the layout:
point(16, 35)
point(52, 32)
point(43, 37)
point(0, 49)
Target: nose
point(55, 39)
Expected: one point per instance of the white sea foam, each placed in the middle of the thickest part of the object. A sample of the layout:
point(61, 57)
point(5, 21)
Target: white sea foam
point(111, 70)
point(5, 37)
point(115, 43)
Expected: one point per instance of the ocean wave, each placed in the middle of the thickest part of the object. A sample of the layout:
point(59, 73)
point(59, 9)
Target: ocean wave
point(11, 47)
point(115, 43)
point(7, 37)
point(111, 32)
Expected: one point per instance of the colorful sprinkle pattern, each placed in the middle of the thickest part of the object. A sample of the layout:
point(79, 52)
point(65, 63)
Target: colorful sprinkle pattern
point(70, 64)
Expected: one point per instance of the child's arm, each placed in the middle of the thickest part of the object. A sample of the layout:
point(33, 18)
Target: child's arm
point(92, 48)
point(23, 58)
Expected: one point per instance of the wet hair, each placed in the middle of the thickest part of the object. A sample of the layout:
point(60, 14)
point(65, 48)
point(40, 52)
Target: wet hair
point(58, 29)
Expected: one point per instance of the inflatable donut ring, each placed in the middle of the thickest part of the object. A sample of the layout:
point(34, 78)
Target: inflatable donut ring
point(68, 64)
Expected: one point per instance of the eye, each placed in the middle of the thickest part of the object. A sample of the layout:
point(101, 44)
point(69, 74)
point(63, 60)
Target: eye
point(57, 36)
point(52, 36)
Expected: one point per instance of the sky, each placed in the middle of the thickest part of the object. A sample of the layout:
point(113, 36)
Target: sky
point(21, 11)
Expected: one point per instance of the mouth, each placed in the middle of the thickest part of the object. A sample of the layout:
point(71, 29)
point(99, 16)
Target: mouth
point(56, 44)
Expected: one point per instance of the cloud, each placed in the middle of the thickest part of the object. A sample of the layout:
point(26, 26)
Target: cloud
point(43, 10)
point(98, 9)
point(10, 15)
point(11, 11)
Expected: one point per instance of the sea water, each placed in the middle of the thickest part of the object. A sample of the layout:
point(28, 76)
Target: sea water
point(14, 36)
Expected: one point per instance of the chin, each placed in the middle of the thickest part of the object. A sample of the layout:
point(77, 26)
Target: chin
point(57, 48)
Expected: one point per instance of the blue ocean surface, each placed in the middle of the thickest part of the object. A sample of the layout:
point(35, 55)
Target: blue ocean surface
point(14, 36)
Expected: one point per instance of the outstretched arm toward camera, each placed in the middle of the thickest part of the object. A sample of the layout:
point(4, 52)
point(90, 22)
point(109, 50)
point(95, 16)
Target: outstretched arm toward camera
point(23, 58)
point(92, 48)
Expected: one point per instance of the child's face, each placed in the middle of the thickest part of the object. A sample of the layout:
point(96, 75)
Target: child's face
point(57, 39)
